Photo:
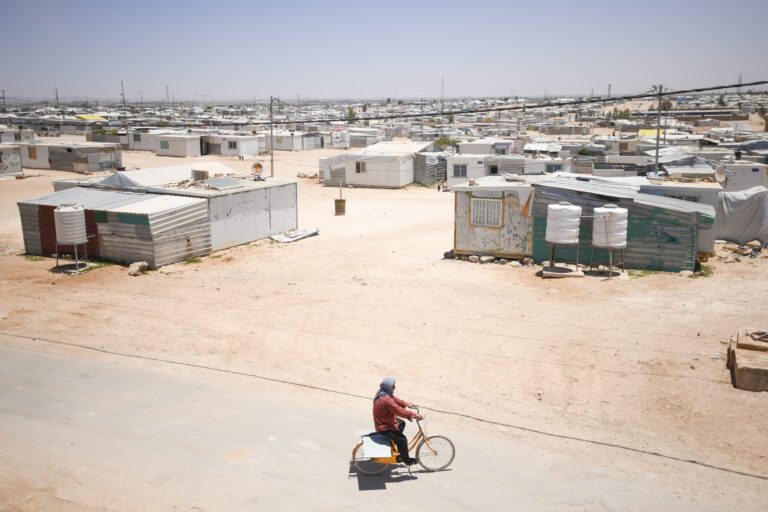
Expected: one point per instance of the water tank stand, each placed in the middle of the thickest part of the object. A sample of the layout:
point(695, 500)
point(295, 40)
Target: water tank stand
point(554, 271)
point(610, 260)
point(77, 259)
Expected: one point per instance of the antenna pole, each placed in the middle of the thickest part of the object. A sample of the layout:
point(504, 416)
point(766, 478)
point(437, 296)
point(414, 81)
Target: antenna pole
point(658, 129)
point(271, 141)
point(125, 110)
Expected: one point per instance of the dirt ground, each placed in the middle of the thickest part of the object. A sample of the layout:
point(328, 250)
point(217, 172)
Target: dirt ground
point(637, 361)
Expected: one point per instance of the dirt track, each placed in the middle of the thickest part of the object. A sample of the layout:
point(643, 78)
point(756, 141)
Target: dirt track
point(637, 362)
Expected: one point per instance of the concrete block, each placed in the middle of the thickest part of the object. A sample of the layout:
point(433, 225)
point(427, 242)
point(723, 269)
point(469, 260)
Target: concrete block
point(750, 369)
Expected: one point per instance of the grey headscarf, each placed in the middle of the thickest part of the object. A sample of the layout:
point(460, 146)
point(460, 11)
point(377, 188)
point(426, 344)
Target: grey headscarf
point(386, 388)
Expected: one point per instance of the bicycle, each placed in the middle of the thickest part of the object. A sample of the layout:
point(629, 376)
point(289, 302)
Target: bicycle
point(434, 453)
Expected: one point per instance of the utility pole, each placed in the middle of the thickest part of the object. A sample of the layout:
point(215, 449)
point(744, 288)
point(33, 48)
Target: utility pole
point(141, 94)
point(658, 127)
point(442, 104)
point(422, 120)
point(125, 110)
point(271, 141)
point(167, 96)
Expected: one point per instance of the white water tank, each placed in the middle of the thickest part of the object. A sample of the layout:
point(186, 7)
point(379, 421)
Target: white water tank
point(70, 224)
point(609, 229)
point(563, 223)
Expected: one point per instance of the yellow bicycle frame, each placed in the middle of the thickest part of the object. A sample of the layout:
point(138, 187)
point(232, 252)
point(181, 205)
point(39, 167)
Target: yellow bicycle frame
point(412, 444)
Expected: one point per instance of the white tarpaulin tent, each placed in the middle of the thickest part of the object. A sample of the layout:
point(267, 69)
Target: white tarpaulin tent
point(743, 216)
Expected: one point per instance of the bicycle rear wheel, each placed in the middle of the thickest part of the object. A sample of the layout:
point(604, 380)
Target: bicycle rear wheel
point(366, 466)
point(436, 455)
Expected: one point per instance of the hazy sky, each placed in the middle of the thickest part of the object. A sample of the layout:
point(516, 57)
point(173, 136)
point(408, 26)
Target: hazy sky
point(228, 49)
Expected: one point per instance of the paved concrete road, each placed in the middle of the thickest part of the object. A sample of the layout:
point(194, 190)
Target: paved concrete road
point(90, 432)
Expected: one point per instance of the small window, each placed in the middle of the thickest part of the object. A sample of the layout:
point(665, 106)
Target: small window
point(486, 212)
point(459, 170)
point(32, 152)
point(164, 144)
point(136, 137)
point(623, 146)
point(359, 166)
point(494, 169)
point(16, 136)
point(232, 144)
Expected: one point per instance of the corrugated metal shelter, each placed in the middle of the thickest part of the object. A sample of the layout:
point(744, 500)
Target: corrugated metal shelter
point(662, 233)
point(157, 229)
point(38, 225)
point(243, 210)
point(428, 168)
point(333, 170)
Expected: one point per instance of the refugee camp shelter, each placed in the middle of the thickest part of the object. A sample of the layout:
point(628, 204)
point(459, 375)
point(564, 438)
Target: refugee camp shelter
point(81, 157)
point(16, 135)
point(493, 217)
point(145, 139)
point(703, 192)
point(743, 174)
point(429, 167)
point(242, 210)
point(232, 144)
point(487, 146)
point(38, 225)
point(461, 168)
point(158, 229)
point(122, 227)
point(178, 144)
point(385, 164)
point(285, 141)
point(10, 160)
point(662, 232)
point(333, 170)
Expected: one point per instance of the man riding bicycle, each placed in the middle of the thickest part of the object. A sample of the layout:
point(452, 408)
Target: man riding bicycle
point(386, 409)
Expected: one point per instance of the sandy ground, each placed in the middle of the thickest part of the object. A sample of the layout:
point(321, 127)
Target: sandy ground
point(637, 362)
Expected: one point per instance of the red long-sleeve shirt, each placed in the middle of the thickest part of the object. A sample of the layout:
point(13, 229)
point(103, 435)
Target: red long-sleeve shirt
point(386, 410)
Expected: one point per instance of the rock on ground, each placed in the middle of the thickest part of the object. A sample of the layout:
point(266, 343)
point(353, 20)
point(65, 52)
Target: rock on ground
point(137, 268)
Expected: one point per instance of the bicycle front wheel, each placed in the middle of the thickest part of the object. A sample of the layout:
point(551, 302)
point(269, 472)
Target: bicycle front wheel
point(366, 466)
point(435, 453)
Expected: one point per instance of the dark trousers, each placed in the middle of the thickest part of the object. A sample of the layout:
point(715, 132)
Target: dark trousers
point(399, 438)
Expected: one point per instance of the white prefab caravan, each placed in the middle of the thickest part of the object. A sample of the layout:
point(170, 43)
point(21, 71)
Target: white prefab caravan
point(16, 135)
point(286, 141)
point(488, 146)
point(493, 218)
point(461, 168)
point(184, 145)
point(232, 145)
point(10, 160)
point(384, 165)
point(145, 139)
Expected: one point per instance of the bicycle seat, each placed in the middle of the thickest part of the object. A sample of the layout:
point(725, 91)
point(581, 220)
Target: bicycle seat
point(378, 438)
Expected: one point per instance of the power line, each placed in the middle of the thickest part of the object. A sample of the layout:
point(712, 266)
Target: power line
point(524, 107)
